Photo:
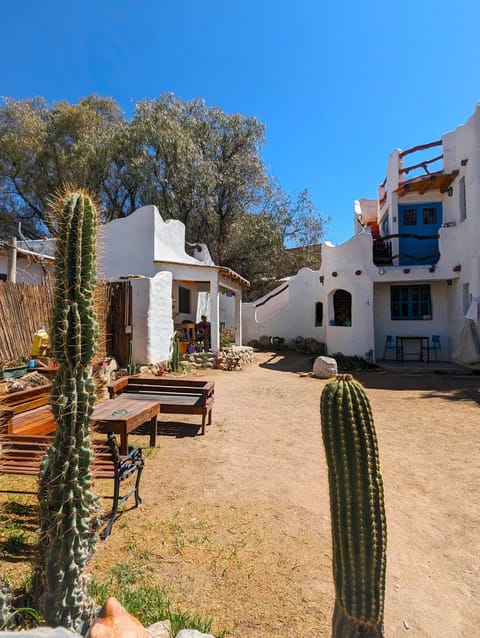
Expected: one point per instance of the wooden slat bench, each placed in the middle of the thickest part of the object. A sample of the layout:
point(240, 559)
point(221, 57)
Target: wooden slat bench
point(176, 396)
point(25, 436)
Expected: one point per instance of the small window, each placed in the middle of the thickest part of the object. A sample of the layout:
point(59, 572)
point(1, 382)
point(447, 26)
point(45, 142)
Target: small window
point(462, 199)
point(410, 217)
point(466, 298)
point(385, 225)
point(183, 300)
point(410, 302)
point(319, 313)
point(430, 215)
point(3, 276)
point(342, 308)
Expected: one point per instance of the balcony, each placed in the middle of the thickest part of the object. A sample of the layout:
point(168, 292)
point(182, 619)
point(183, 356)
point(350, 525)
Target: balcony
point(425, 173)
point(382, 250)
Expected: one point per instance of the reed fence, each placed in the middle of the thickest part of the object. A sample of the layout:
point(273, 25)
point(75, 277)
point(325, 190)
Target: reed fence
point(26, 307)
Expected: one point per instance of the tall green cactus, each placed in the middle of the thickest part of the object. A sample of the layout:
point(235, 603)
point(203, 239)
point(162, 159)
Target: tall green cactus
point(67, 503)
point(357, 509)
point(176, 352)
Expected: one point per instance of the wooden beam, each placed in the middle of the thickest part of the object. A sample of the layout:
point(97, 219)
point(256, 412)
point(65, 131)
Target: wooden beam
point(12, 260)
point(421, 147)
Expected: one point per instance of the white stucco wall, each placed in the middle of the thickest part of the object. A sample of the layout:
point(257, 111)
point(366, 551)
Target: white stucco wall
point(152, 318)
point(28, 272)
point(438, 325)
point(364, 210)
point(125, 246)
point(292, 314)
point(351, 257)
point(131, 245)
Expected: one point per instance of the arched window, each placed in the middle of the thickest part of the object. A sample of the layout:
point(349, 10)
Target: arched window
point(319, 313)
point(342, 308)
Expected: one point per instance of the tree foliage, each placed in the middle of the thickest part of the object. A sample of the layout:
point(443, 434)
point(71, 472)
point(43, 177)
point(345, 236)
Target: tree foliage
point(197, 164)
point(44, 149)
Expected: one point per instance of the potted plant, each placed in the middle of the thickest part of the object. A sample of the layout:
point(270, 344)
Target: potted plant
point(15, 368)
point(226, 338)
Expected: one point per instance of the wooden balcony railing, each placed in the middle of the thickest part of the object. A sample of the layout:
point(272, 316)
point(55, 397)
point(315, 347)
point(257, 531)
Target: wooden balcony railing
point(403, 171)
point(383, 254)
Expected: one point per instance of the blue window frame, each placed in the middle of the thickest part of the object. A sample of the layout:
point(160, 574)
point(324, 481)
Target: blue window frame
point(410, 302)
point(385, 225)
point(416, 222)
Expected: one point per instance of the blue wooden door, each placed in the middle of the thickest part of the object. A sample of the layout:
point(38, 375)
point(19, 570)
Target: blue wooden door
point(414, 221)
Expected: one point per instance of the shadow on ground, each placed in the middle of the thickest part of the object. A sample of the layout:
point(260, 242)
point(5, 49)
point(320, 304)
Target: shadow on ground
point(288, 361)
point(177, 429)
point(453, 386)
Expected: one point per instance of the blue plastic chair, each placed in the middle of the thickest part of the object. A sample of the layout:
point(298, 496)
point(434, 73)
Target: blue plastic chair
point(390, 344)
point(436, 345)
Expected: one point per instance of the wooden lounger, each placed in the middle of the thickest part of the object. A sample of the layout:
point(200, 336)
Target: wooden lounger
point(176, 396)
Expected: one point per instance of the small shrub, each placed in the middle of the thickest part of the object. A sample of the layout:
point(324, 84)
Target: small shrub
point(350, 363)
point(148, 603)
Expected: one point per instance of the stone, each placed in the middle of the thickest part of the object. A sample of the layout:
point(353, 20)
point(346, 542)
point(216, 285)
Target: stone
point(188, 364)
point(265, 341)
point(324, 367)
point(161, 629)
point(311, 345)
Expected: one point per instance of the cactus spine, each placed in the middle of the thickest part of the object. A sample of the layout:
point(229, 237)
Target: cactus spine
point(357, 509)
point(67, 503)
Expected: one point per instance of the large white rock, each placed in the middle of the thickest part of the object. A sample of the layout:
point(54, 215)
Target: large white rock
point(324, 367)
point(161, 629)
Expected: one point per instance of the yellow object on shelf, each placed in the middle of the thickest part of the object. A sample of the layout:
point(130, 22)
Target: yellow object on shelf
point(40, 343)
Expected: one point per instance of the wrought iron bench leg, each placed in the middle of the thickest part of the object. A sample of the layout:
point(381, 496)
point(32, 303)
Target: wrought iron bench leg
point(123, 468)
point(113, 515)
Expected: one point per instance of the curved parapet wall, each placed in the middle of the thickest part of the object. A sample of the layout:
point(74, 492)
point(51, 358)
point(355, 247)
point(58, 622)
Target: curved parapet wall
point(304, 306)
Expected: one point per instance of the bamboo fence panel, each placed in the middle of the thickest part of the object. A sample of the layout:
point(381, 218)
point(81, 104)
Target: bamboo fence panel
point(26, 307)
point(23, 309)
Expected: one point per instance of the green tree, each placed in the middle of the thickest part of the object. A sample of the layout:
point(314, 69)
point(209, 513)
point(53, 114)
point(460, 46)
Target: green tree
point(44, 149)
point(197, 164)
point(204, 167)
point(200, 165)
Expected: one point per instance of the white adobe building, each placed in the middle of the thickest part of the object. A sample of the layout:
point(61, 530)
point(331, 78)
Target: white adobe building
point(169, 286)
point(411, 270)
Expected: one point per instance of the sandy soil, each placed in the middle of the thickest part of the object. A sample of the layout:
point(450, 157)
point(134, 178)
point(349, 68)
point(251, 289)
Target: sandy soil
point(238, 520)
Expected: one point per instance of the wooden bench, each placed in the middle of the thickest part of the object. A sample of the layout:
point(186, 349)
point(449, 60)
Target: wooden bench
point(27, 432)
point(176, 396)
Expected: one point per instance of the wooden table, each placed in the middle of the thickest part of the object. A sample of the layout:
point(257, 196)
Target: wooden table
point(122, 414)
point(421, 340)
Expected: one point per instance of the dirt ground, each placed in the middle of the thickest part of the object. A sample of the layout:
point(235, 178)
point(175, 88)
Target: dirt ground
point(237, 521)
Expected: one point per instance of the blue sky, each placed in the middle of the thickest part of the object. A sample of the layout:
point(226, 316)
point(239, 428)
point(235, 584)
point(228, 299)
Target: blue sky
point(338, 85)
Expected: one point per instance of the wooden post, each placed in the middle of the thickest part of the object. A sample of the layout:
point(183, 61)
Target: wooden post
point(12, 260)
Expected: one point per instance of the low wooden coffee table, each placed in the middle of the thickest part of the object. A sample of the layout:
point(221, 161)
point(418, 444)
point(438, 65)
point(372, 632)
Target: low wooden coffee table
point(121, 415)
